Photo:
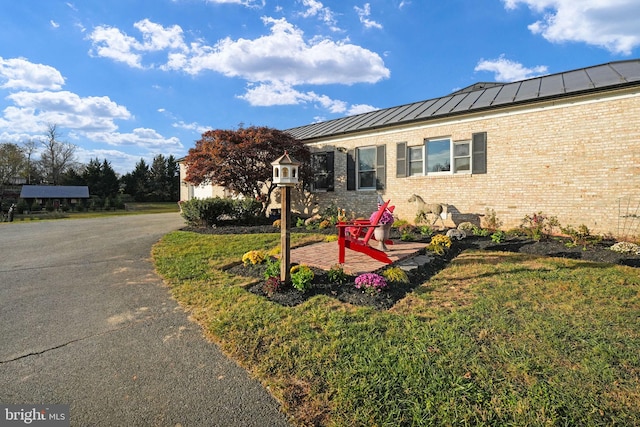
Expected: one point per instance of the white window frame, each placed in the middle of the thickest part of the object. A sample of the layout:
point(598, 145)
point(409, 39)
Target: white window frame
point(410, 160)
point(358, 171)
point(467, 156)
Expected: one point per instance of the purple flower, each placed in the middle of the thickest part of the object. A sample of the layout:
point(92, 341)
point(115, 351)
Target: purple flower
point(370, 282)
point(386, 218)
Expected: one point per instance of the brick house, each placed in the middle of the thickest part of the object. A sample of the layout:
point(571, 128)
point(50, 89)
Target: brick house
point(565, 144)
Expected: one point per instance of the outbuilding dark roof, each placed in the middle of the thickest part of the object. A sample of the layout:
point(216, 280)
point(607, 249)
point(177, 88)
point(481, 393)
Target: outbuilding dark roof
point(54, 192)
point(483, 96)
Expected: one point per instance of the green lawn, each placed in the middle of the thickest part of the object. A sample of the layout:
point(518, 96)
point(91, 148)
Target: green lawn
point(493, 339)
point(132, 209)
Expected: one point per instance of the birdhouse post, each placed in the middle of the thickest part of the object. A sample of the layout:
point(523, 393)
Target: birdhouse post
point(285, 176)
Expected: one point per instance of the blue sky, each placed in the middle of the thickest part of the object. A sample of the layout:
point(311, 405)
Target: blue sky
point(129, 79)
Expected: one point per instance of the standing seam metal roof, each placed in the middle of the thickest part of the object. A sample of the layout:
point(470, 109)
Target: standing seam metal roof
point(482, 96)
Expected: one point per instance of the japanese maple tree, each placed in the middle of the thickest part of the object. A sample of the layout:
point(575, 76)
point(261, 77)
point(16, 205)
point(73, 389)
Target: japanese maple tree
point(240, 160)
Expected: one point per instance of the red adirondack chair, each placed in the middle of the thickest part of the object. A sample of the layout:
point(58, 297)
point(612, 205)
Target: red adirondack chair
point(349, 234)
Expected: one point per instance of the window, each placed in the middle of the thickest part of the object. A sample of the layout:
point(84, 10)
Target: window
point(415, 160)
point(366, 168)
point(443, 156)
point(322, 166)
point(438, 155)
point(462, 156)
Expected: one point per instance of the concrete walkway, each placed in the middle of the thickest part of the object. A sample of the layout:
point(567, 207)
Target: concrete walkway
point(85, 321)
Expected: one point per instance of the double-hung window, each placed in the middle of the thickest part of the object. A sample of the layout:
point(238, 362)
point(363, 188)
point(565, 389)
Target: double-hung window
point(366, 168)
point(461, 156)
point(416, 160)
point(322, 166)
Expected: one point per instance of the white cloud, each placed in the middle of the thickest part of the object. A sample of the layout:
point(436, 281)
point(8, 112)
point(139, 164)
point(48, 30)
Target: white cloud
point(195, 127)
point(360, 109)
point(66, 109)
point(506, 70)
point(19, 73)
point(248, 3)
point(363, 14)
point(269, 94)
point(109, 42)
point(39, 102)
point(140, 137)
point(54, 24)
point(277, 61)
point(315, 8)
point(284, 55)
point(610, 24)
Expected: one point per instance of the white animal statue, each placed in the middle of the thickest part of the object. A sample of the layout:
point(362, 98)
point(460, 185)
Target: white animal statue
point(423, 209)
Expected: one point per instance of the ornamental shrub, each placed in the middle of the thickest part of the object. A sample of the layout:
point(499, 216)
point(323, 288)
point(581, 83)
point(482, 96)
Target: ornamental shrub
point(301, 277)
point(206, 212)
point(396, 274)
point(272, 285)
point(246, 210)
point(371, 283)
point(337, 275)
point(273, 268)
point(538, 226)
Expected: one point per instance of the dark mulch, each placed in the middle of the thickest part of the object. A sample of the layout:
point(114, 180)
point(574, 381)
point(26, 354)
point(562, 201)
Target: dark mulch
point(554, 247)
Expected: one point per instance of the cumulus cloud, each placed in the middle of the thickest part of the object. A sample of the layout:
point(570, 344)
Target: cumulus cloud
point(284, 55)
point(315, 8)
point(363, 14)
point(273, 64)
point(66, 109)
point(19, 73)
point(140, 137)
point(36, 100)
point(506, 70)
point(609, 24)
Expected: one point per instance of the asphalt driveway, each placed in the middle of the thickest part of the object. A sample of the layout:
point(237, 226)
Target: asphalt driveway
point(85, 321)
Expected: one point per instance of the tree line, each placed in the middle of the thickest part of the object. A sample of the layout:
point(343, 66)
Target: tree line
point(52, 161)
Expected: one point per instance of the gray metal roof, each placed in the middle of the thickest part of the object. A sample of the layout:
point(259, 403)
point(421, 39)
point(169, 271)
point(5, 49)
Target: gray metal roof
point(483, 96)
point(54, 192)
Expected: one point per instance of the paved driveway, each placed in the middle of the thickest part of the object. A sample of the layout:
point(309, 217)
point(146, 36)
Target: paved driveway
point(85, 321)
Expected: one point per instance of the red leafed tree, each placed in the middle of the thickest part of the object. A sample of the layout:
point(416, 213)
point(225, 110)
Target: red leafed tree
point(240, 160)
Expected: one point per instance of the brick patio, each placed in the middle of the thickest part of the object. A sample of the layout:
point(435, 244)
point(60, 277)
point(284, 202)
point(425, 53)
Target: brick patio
point(325, 255)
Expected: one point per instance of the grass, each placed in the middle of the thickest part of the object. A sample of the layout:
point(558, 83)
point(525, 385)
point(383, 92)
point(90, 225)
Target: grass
point(493, 339)
point(132, 209)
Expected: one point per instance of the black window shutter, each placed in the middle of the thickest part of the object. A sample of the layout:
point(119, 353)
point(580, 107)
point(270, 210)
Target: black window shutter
point(401, 159)
point(381, 173)
point(479, 150)
point(351, 170)
point(330, 157)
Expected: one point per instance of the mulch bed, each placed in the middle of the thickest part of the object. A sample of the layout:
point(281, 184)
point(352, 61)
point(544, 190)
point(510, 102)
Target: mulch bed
point(554, 247)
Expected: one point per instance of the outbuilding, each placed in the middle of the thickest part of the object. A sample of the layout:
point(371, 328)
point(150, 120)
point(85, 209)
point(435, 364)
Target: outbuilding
point(57, 195)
